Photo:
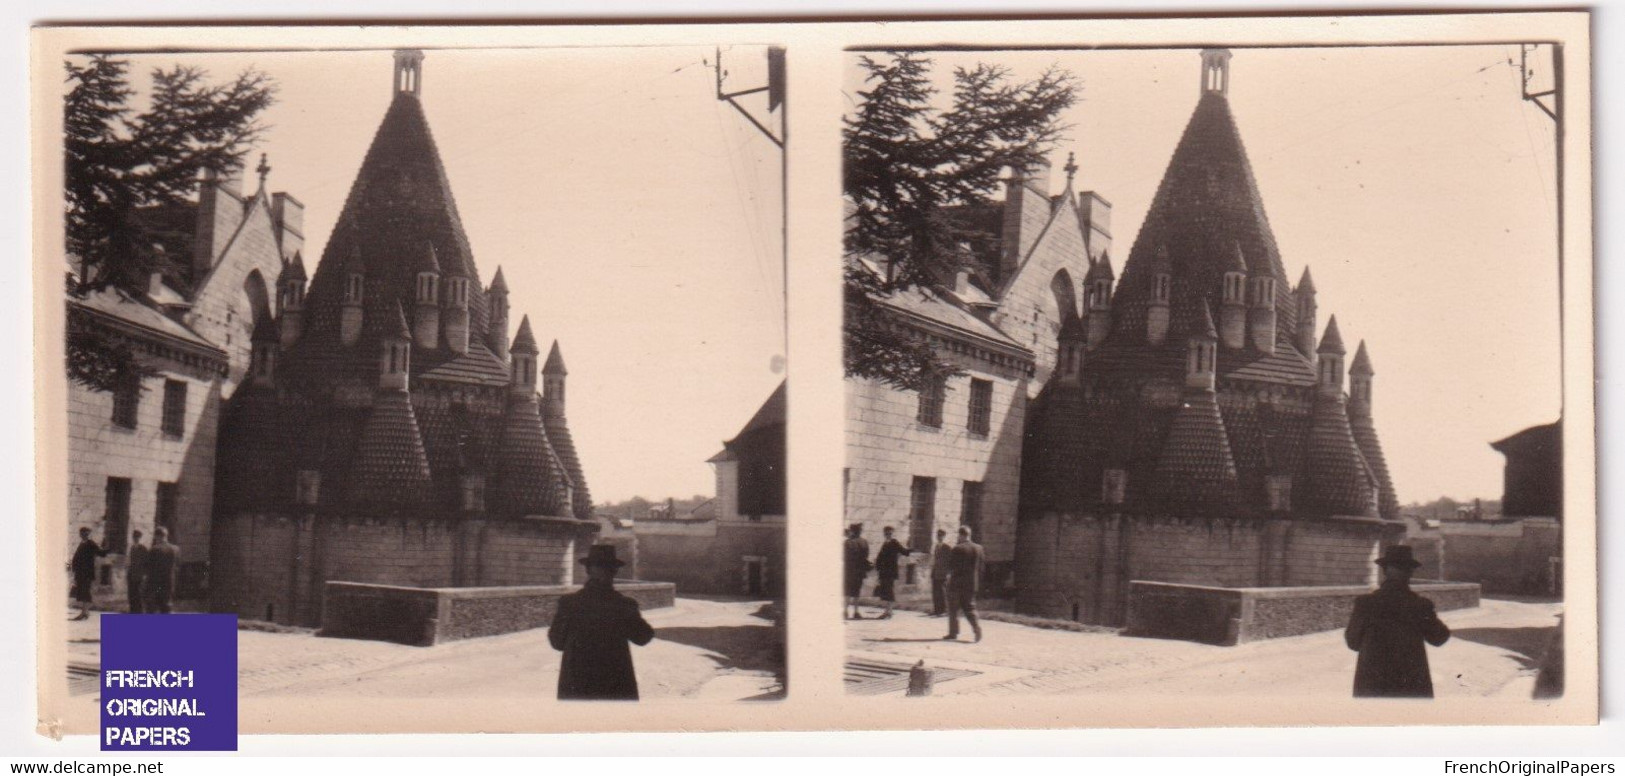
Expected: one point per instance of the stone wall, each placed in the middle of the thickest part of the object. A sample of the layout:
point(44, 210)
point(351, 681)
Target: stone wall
point(146, 455)
point(1228, 616)
point(1505, 557)
point(224, 308)
point(428, 616)
point(717, 564)
point(1080, 567)
point(274, 567)
point(886, 447)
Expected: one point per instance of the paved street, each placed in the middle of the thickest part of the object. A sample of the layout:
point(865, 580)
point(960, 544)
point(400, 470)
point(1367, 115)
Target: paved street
point(717, 649)
point(1493, 652)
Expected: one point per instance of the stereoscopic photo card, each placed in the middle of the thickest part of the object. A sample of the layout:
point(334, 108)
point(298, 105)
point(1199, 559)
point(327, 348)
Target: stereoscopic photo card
point(1131, 372)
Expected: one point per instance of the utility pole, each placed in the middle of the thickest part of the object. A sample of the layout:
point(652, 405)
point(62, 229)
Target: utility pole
point(1550, 102)
point(774, 88)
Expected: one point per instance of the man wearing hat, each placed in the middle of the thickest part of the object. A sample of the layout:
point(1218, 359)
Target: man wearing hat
point(1389, 628)
point(592, 628)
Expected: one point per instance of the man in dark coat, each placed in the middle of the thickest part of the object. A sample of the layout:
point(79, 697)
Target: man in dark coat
point(964, 579)
point(855, 567)
point(1390, 628)
point(592, 628)
point(886, 566)
point(161, 562)
point(940, 560)
point(135, 573)
point(83, 566)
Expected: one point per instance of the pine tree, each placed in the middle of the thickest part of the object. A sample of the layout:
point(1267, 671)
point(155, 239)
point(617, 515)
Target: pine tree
point(123, 166)
point(906, 164)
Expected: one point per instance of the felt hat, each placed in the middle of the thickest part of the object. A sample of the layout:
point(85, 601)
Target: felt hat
point(1398, 555)
point(602, 555)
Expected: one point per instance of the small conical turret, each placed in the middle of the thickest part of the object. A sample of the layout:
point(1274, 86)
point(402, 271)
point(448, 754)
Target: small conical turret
point(497, 328)
point(291, 299)
point(426, 312)
point(1200, 363)
point(553, 373)
point(1330, 355)
point(1233, 304)
point(1162, 282)
point(524, 352)
point(1360, 374)
point(1365, 432)
point(395, 342)
point(1098, 281)
point(355, 285)
point(1304, 337)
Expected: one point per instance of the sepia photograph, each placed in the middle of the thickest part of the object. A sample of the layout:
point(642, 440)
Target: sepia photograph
point(1114, 321)
point(490, 410)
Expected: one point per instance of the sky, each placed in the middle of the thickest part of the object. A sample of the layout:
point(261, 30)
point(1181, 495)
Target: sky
point(1415, 183)
point(636, 220)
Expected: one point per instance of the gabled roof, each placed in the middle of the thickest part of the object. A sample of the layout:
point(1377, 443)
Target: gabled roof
point(123, 310)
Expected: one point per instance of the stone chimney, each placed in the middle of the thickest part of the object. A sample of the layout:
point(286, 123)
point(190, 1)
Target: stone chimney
point(219, 213)
point(288, 218)
point(1026, 211)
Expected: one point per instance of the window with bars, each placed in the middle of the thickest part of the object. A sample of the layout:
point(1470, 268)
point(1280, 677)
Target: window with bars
point(168, 505)
point(922, 512)
point(127, 402)
point(116, 523)
point(174, 407)
point(931, 398)
point(981, 406)
point(970, 507)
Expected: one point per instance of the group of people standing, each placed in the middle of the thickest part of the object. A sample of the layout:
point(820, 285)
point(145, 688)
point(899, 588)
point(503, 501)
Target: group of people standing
point(149, 572)
point(956, 575)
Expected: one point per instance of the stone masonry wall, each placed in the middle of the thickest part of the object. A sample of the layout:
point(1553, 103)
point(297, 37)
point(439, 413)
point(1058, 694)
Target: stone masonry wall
point(887, 447)
point(1028, 310)
point(1079, 567)
point(274, 567)
point(146, 455)
point(222, 311)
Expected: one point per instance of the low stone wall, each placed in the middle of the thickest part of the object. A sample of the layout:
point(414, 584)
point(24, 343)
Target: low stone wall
point(1232, 615)
point(428, 616)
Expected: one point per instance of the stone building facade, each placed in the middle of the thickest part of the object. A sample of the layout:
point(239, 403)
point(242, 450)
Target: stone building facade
point(736, 546)
point(389, 430)
point(144, 455)
point(919, 461)
point(1197, 429)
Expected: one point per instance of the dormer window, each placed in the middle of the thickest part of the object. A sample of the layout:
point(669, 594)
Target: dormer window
point(1160, 288)
point(352, 289)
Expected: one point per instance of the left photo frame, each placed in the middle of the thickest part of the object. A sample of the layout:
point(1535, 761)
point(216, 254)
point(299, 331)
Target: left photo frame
point(455, 373)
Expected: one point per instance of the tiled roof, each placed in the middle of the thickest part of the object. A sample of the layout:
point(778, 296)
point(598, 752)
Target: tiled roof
point(400, 202)
point(498, 283)
point(478, 365)
point(1361, 365)
point(1207, 205)
point(524, 467)
point(564, 447)
point(1306, 284)
point(1334, 477)
point(391, 468)
point(117, 305)
point(1196, 469)
point(1365, 435)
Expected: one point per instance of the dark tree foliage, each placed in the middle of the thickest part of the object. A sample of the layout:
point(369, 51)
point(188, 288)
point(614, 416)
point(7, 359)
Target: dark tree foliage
point(122, 165)
point(907, 163)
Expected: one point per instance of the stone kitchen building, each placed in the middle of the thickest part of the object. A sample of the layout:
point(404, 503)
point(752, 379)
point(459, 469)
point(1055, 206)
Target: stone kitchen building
point(143, 455)
point(952, 454)
point(389, 430)
point(1201, 427)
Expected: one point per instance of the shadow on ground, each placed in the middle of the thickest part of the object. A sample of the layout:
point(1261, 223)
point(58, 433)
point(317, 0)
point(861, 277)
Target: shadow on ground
point(743, 647)
point(1528, 644)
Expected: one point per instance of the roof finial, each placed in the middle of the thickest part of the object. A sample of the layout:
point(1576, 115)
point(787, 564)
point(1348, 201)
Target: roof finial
point(408, 71)
point(264, 170)
point(1071, 169)
point(1216, 70)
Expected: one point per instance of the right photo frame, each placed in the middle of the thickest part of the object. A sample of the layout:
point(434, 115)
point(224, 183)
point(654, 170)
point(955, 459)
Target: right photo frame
point(1114, 319)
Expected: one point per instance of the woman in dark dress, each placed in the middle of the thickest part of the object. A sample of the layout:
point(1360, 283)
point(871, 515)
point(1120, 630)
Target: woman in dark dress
point(886, 567)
